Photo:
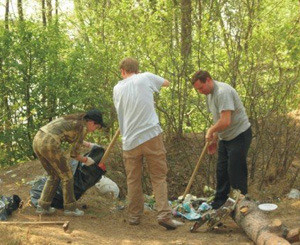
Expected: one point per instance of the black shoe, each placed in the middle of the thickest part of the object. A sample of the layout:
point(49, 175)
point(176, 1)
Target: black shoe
point(217, 204)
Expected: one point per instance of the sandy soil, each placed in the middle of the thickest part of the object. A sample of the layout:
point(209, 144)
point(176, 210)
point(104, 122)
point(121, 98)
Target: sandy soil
point(103, 224)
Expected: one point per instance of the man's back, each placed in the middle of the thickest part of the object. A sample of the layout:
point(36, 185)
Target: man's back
point(133, 99)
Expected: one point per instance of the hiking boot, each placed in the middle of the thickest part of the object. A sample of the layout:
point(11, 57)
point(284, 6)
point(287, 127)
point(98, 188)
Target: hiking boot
point(40, 210)
point(76, 212)
point(169, 224)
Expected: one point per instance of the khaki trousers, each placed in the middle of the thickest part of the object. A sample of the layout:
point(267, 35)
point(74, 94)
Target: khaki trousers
point(154, 152)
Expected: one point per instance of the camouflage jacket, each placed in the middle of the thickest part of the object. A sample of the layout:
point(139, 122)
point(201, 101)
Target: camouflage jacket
point(67, 131)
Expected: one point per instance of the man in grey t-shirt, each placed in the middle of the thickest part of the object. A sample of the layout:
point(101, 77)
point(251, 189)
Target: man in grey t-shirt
point(232, 128)
point(142, 138)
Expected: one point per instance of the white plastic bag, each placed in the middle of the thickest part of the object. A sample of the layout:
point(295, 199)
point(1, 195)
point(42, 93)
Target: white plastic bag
point(106, 185)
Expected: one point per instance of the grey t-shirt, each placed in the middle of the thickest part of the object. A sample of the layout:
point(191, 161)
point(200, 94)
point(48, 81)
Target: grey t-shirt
point(223, 98)
point(134, 102)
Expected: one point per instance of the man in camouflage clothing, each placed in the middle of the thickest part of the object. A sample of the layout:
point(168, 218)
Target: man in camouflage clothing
point(48, 144)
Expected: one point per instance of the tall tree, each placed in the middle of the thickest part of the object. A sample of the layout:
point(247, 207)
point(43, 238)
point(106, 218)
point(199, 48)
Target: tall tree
point(49, 10)
point(44, 13)
point(56, 9)
point(4, 70)
point(6, 15)
point(186, 30)
point(186, 49)
point(20, 10)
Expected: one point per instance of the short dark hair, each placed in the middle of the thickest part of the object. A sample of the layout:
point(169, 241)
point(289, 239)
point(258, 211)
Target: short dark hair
point(201, 76)
point(96, 116)
point(130, 65)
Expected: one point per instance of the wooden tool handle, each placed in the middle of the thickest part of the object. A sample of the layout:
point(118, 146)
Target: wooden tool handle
point(195, 171)
point(111, 144)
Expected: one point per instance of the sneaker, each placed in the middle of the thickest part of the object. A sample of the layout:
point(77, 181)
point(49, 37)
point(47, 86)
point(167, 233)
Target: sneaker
point(76, 212)
point(40, 210)
point(169, 224)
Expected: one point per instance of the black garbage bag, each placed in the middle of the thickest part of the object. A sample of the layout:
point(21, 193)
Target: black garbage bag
point(84, 178)
point(8, 204)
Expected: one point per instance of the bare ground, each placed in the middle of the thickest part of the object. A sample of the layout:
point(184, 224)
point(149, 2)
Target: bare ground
point(102, 224)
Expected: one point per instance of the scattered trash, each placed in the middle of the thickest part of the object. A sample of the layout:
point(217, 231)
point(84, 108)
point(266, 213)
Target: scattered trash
point(294, 194)
point(8, 172)
point(213, 218)
point(1, 181)
point(204, 207)
point(149, 201)
point(120, 207)
point(106, 185)
point(191, 209)
point(188, 198)
point(32, 182)
point(147, 207)
point(208, 191)
point(267, 207)
point(13, 175)
point(193, 215)
point(8, 205)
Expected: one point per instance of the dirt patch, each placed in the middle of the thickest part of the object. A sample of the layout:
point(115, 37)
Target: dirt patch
point(103, 224)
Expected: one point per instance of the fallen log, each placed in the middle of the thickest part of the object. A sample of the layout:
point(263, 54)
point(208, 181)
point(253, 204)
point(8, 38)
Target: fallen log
point(259, 227)
point(251, 219)
point(65, 224)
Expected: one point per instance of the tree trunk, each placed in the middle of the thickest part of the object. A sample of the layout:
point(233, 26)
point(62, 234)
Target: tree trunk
point(49, 11)
point(20, 10)
point(44, 13)
point(259, 228)
point(3, 70)
point(56, 9)
point(186, 49)
point(6, 14)
point(186, 29)
point(299, 12)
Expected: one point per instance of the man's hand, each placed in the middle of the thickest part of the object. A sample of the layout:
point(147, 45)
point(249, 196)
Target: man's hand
point(219, 126)
point(212, 138)
point(212, 148)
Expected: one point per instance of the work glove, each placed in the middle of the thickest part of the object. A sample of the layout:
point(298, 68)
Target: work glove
point(89, 161)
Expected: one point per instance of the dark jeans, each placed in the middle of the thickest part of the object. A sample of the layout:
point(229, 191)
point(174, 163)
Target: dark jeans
point(232, 166)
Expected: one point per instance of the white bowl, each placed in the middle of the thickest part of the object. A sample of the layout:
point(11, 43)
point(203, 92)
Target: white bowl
point(267, 206)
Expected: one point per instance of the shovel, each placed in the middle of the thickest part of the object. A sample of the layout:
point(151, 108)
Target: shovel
point(187, 189)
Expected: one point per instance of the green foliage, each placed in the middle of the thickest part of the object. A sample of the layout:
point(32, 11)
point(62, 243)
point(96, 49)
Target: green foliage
point(71, 64)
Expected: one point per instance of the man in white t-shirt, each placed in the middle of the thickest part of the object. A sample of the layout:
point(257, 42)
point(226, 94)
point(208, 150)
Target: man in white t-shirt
point(232, 128)
point(142, 138)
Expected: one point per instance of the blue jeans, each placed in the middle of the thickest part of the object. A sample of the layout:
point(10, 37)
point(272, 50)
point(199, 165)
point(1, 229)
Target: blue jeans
point(232, 165)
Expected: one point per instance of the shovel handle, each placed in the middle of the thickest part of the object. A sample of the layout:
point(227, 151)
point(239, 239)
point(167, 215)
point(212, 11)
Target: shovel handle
point(111, 144)
point(187, 189)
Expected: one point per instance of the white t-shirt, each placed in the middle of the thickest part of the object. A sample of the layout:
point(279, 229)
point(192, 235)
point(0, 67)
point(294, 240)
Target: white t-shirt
point(134, 102)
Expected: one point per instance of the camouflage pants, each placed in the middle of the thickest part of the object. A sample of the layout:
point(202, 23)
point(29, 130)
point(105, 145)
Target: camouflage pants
point(58, 169)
